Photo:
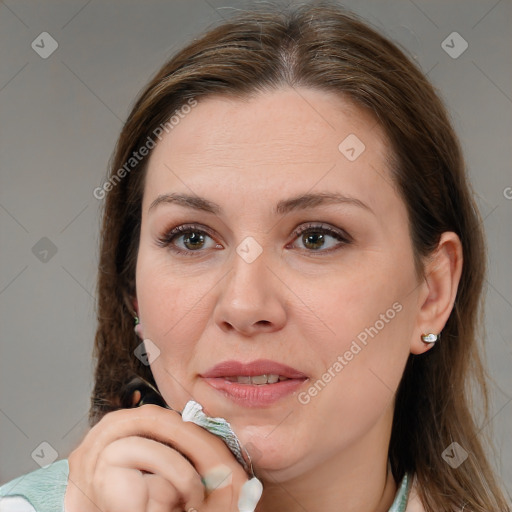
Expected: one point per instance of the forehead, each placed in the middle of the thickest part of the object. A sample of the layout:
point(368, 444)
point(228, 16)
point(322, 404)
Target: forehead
point(292, 140)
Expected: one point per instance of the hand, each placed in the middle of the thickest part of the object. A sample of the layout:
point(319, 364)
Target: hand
point(148, 459)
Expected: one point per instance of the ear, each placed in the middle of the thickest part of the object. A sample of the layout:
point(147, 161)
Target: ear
point(438, 290)
point(130, 302)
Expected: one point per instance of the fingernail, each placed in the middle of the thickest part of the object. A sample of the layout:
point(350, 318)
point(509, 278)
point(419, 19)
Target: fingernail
point(250, 494)
point(218, 477)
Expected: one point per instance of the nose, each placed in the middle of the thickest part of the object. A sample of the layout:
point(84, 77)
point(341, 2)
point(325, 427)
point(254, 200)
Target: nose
point(251, 299)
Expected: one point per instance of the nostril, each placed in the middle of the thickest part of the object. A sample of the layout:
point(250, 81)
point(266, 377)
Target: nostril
point(228, 326)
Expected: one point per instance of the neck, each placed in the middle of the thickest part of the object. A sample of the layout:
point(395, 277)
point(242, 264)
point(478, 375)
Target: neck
point(357, 479)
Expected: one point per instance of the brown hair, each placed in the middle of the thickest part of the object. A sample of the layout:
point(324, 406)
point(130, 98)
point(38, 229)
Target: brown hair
point(322, 46)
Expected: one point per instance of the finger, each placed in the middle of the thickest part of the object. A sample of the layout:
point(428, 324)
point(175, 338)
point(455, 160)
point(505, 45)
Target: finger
point(129, 490)
point(250, 495)
point(240, 498)
point(163, 496)
point(120, 490)
point(204, 450)
point(153, 457)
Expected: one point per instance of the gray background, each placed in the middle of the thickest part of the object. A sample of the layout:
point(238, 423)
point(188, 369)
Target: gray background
point(60, 118)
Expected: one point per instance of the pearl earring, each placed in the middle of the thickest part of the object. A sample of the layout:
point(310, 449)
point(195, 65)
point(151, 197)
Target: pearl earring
point(430, 337)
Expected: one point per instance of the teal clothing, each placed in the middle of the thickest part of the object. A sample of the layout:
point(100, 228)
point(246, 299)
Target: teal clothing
point(43, 490)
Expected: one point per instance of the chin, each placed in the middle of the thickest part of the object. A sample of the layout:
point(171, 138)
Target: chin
point(277, 457)
point(277, 470)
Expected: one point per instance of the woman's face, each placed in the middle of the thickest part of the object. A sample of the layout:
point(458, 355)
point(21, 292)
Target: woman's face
point(294, 248)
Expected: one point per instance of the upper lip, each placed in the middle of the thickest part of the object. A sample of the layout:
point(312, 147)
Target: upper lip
point(253, 368)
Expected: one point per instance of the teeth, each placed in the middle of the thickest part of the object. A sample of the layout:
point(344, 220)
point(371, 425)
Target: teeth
point(259, 380)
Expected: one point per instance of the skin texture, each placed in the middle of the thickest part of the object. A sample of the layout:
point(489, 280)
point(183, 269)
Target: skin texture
point(301, 302)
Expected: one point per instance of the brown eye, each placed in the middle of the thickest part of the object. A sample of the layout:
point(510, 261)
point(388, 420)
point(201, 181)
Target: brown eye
point(321, 238)
point(314, 240)
point(193, 240)
point(187, 239)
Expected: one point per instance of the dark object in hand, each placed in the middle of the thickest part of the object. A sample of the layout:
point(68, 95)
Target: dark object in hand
point(138, 391)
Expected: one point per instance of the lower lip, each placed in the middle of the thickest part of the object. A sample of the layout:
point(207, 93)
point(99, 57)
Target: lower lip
point(252, 395)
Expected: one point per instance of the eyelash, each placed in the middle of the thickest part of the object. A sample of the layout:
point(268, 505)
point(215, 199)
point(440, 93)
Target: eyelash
point(167, 239)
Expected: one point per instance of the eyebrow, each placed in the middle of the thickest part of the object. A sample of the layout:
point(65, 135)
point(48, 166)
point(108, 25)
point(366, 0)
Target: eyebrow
point(283, 207)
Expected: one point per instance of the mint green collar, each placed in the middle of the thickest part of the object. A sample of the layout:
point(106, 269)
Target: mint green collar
point(402, 495)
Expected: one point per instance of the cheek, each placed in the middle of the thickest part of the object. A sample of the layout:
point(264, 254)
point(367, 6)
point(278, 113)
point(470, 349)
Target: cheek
point(172, 316)
point(170, 301)
point(360, 301)
point(371, 316)
point(172, 311)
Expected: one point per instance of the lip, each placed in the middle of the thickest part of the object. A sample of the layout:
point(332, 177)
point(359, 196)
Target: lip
point(252, 395)
point(253, 368)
